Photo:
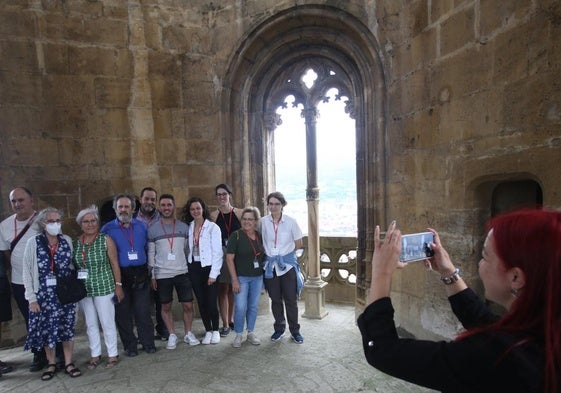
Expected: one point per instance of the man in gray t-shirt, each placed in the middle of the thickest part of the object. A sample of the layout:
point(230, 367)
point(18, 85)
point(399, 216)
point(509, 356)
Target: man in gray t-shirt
point(167, 251)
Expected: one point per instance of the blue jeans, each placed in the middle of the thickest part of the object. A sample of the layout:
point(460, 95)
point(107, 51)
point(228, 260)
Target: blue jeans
point(246, 303)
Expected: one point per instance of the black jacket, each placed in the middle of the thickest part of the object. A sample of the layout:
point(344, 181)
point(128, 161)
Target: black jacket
point(479, 363)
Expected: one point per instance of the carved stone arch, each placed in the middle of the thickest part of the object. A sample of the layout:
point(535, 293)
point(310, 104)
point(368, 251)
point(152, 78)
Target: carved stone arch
point(320, 35)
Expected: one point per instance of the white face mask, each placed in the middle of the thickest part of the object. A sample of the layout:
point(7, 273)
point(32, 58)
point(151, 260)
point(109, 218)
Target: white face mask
point(53, 228)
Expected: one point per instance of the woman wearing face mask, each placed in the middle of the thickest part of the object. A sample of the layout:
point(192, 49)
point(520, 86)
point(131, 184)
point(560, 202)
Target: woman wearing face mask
point(47, 255)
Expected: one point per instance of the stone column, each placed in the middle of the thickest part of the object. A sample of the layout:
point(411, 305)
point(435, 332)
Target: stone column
point(314, 287)
point(144, 168)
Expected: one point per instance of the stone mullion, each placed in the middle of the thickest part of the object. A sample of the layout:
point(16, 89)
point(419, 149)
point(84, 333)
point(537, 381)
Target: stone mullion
point(144, 167)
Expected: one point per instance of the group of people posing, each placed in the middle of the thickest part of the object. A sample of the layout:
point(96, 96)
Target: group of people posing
point(223, 257)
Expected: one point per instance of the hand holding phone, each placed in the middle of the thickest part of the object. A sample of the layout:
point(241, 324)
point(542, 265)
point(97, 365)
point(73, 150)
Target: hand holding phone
point(416, 247)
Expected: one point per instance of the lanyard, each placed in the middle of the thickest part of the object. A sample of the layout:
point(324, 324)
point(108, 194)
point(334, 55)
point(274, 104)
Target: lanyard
point(198, 235)
point(52, 251)
point(86, 248)
point(145, 219)
point(170, 241)
point(229, 224)
point(276, 228)
point(251, 242)
point(130, 237)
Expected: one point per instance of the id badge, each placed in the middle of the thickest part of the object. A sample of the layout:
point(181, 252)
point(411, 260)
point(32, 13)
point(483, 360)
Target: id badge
point(133, 256)
point(275, 251)
point(51, 281)
point(256, 264)
point(171, 256)
point(226, 243)
point(83, 274)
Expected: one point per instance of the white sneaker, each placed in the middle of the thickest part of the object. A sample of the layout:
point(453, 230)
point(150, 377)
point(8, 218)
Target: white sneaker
point(237, 341)
point(191, 339)
point(208, 337)
point(252, 338)
point(172, 341)
point(215, 339)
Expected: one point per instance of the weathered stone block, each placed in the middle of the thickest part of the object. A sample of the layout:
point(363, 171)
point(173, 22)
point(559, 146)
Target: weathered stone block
point(497, 15)
point(26, 152)
point(470, 70)
point(20, 89)
point(17, 24)
point(18, 56)
point(439, 8)
point(114, 122)
point(68, 91)
point(457, 31)
point(170, 151)
point(117, 152)
point(84, 29)
point(99, 61)
point(112, 93)
point(418, 53)
point(19, 122)
point(55, 58)
point(165, 92)
point(78, 152)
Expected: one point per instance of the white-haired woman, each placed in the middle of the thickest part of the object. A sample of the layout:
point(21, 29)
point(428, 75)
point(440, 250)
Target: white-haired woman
point(96, 257)
point(49, 255)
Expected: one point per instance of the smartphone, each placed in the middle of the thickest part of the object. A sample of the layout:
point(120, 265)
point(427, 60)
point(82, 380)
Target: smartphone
point(416, 247)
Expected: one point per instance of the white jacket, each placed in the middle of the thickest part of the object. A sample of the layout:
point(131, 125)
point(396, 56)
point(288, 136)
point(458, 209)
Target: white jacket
point(31, 270)
point(210, 246)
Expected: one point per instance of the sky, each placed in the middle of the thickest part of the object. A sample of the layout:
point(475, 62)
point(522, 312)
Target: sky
point(336, 154)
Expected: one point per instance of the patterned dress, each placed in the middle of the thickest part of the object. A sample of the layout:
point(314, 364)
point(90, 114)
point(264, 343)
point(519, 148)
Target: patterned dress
point(55, 322)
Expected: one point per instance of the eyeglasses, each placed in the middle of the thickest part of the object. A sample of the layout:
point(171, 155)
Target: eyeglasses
point(221, 194)
point(274, 204)
point(87, 222)
point(248, 219)
point(53, 221)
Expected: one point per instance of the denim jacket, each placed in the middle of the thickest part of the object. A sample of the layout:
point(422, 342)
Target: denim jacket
point(282, 261)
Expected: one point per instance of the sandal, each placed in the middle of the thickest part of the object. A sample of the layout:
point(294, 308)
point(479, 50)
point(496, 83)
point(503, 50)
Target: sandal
point(49, 374)
point(112, 361)
point(73, 372)
point(94, 362)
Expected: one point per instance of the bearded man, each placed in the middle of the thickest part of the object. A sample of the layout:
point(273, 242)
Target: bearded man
point(129, 235)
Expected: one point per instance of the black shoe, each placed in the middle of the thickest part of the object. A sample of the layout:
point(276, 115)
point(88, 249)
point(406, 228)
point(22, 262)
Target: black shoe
point(231, 325)
point(131, 353)
point(162, 335)
point(150, 349)
point(5, 368)
point(38, 363)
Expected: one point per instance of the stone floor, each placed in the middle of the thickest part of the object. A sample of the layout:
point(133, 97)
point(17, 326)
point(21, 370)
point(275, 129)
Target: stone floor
point(330, 360)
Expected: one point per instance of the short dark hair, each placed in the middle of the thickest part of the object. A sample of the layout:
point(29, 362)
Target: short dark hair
point(167, 196)
point(148, 189)
point(278, 196)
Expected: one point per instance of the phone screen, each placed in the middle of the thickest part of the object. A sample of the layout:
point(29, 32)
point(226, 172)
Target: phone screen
point(416, 247)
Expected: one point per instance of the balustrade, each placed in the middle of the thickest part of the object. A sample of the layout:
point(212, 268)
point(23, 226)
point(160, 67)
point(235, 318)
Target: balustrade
point(338, 261)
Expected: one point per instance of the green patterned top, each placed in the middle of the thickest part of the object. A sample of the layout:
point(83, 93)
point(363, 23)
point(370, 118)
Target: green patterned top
point(94, 258)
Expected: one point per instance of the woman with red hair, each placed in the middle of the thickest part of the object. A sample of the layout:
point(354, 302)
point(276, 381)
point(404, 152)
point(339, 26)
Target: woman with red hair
point(518, 352)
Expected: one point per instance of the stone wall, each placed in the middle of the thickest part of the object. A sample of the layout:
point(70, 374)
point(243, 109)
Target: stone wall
point(104, 96)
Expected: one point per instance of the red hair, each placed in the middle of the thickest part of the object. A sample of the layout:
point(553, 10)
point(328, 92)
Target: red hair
point(531, 241)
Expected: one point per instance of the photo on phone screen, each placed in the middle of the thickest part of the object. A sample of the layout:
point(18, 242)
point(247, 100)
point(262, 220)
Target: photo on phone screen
point(416, 247)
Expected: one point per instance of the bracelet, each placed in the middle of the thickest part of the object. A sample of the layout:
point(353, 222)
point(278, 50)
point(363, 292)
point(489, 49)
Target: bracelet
point(118, 283)
point(452, 278)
